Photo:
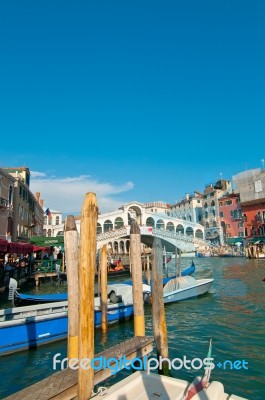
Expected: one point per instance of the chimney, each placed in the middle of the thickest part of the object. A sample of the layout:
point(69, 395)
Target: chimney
point(41, 202)
point(38, 196)
point(187, 196)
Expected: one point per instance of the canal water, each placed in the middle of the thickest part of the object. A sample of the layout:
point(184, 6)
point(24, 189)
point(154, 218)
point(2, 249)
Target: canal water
point(232, 314)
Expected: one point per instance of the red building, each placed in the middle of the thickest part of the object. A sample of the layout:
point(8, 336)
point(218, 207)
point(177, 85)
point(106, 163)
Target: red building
point(251, 187)
point(231, 218)
point(254, 218)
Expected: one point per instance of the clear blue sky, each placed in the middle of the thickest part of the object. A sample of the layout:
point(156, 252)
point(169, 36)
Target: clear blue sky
point(136, 100)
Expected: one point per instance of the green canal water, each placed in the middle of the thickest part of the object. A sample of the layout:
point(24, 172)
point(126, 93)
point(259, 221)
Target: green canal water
point(232, 314)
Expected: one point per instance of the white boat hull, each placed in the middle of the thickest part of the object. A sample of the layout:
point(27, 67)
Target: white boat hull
point(202, 286)
point(143, 386)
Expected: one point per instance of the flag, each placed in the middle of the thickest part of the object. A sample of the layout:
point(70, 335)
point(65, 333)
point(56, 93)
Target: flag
point(48, 213)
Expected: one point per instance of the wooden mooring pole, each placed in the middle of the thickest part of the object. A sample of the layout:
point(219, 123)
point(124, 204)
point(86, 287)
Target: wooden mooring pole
point(103, 289)
point(71, 258)
point(86, 269)
point(158, 308)
point(137, 278)
point(177, 262)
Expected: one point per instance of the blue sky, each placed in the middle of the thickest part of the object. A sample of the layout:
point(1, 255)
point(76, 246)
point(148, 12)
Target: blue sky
point(134, 100)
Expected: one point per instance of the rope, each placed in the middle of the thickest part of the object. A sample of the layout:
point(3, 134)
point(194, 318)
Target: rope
point(102, 390)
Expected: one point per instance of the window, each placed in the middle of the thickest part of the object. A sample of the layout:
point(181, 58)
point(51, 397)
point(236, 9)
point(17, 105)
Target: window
point(221, 214)
point(57, 220)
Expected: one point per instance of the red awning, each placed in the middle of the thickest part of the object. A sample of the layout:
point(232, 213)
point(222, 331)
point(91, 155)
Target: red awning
point(20, 248)
point(3, 245)
point(40, 248)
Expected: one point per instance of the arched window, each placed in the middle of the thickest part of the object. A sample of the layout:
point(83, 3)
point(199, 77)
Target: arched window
point(49, 232)
point(189, 231)
point(180, 229)
point(206, 224)
point(160, 224)
point(45, 220)
point(108, 226)
point(150, 222)
point(212, 203)
point(245, 219)
point(57, 220)
point(199, 233)
point(205, 205)
point(116, 247)
point(119, 223)
point(99, 228)
point(214, 223)
point(170, 227)
point(206, 214)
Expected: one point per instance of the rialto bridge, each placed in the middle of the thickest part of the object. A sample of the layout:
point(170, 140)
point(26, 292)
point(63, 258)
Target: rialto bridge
point(113, 229)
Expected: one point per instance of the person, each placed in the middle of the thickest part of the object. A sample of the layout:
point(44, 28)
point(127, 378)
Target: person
point(60, 255)
point(46, 256)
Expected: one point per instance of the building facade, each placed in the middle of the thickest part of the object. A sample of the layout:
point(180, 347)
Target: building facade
point(231, 218)
point(27, 213)
point(251, 187)
point(189, 208)
point(211, 213)
point(7, 183)
point(52, 220)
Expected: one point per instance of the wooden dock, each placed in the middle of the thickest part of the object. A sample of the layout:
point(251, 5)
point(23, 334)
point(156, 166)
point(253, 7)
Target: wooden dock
point(63, 385)
point(38, 275)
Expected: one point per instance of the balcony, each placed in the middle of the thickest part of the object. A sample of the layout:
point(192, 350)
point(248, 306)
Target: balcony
point(3, 203)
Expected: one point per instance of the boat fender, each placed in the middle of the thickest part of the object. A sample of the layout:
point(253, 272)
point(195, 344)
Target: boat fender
point(114, 299)
point(147, 297)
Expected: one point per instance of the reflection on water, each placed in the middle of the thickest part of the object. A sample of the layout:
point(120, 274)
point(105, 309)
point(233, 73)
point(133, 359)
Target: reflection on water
point(232, 314)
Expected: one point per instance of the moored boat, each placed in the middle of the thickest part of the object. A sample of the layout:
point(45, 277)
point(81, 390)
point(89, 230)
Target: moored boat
point(185, 287)
point(143, 385)
point(30, 326)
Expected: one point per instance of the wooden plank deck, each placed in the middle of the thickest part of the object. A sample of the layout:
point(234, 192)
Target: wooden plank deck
point(63, 385)
point(38, 275)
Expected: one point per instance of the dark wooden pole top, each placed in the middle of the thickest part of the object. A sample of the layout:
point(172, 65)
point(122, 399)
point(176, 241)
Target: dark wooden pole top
point(135, 229)
point(70, 224)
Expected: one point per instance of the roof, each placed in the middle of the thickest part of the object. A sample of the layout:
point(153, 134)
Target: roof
point(234, 240)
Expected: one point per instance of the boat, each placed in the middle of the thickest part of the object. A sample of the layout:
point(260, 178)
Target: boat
point(203, 254)
point(143, 385)
point(114, 272)
point(150, 385)
point(27, 327)
point(22, 299)
point(188, 271)
point(185, 287)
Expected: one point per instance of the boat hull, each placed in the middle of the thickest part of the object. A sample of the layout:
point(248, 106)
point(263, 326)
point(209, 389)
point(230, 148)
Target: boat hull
point(42, 324)
point(202, 287)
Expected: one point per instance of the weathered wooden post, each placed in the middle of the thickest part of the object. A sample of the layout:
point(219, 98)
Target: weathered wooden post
point(86, 268)
point(71, 257)
point(148, 277)
point(177, 262)
point(103, 289)
point(138, 301)
point(158, 308)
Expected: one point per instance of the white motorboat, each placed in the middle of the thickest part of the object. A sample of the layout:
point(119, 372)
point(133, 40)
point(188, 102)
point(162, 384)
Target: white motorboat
point(142, 386)
point(185, 287)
